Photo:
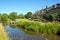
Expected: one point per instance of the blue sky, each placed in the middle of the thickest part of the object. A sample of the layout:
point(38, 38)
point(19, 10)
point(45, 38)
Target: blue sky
point(24, 6)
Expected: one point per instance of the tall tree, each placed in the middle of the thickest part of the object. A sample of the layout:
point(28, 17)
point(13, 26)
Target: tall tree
point(13, 15)
point(53, 16)
point(4, 18)
point(21, 16)
point(28, 15)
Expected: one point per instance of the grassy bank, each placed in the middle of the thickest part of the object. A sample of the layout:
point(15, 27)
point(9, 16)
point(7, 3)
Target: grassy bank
point(3, 33)
point(42, 27)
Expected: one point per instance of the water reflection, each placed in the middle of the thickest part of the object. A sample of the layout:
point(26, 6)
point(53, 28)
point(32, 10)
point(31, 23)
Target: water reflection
point(16, 33)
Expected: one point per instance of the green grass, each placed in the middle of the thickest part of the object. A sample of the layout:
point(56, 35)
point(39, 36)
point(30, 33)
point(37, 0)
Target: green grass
point(42, 27)
point(3, 33)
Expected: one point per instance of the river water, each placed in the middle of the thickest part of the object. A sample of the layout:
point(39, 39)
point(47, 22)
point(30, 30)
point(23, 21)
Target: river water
point(16, 33)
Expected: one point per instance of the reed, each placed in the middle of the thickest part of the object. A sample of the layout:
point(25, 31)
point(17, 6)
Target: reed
point(42, 27)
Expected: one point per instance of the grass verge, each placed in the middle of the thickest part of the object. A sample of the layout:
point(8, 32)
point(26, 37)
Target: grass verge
point(3, 33)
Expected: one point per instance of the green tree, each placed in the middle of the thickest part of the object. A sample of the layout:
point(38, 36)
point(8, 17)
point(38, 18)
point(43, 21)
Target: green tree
point(28, 15)
point(21, 16)
point(50, 18)
point(0, 17)
point(13, 15)
point(4, 18)
point(53, 16)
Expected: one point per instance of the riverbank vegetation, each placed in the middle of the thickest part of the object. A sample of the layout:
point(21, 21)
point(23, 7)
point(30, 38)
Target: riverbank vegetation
point(42, 27)
point(3, 33)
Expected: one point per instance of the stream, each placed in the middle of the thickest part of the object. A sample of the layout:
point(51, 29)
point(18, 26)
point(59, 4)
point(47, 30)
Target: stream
point(16, 33)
